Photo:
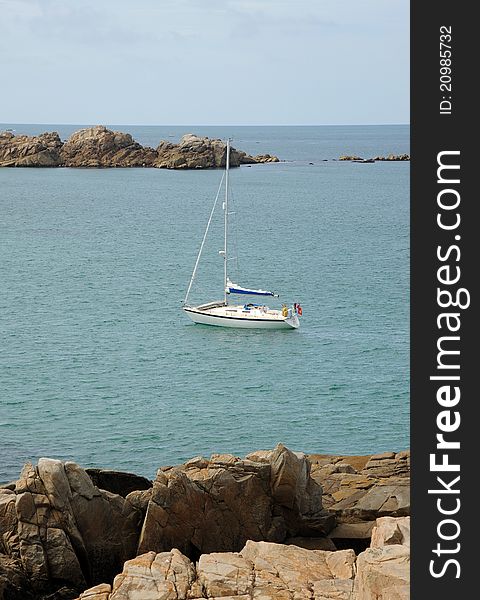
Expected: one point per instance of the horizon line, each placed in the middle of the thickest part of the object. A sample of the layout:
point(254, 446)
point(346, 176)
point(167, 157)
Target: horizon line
point(216, 124)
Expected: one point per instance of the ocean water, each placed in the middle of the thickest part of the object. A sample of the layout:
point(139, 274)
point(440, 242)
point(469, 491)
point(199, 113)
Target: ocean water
point(99, 365)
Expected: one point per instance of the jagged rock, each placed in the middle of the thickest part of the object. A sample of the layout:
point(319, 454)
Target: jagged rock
point(215, 508)
point(361, 488)
point(288, 571)
point(265, 571)
point(390, 157)
point(350, 157)
point(64, 529)
point(389, 530)
point(118, 482)
point(194, 152)
point(220, 504)
point(101, 147)
point(383, 574)
point(30, 151)
point(393, 157)
point(59, 533)
point(225, 574)
point(14, 584)
point(261, 570)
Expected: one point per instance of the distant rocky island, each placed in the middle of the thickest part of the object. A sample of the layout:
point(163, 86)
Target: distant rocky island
point(99, 147)
point(274, 525)
point(390, 157)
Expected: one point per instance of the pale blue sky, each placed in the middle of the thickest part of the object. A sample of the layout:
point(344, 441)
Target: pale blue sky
point(206, 62)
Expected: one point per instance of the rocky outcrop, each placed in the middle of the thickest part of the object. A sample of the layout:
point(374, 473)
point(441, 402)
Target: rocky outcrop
point(266, 571)
point(62, 528)
point(394, 157)
point(97, 147)
point(14, 585)
point(219, 504)
point(30, 151)
point(100, 147)
point(390, 157)
point(195, 152)
point(258, 526)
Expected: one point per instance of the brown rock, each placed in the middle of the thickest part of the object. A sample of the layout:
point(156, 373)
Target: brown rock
point(13, 583)
point(216, 508)
point(194, 152)
point(380, 485)
point(225, 574)
point(101, 147)
point(383, 574)
point(30, 151)
point(389, 531)
point(218, 505)
point(64, 529)
point(266, 571)
point(333, 589)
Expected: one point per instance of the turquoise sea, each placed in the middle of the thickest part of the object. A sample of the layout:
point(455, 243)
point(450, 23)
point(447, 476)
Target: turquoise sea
point(99, 365)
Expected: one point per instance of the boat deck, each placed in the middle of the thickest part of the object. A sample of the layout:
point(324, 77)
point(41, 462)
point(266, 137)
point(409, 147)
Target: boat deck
point(241, 315)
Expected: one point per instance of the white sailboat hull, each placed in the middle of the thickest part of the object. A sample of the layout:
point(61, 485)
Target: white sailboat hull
point(239, 319)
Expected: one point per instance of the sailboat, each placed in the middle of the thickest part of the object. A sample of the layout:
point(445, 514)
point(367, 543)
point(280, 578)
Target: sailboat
point(223, 313)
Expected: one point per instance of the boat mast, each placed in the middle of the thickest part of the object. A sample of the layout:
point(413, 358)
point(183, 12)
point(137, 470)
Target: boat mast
point(225, 208)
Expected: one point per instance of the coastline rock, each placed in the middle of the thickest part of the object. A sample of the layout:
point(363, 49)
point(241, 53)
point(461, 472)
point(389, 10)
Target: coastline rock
point(64, 529)
point(267, 571)
point(30, 151)
point(389, 531)
point(60, 533)
point(217, 505)
point(390, 157)
point(194, 152)
point(101, 147)
point(350, 157)
point(383, 574)
point(393, 157)
point(359, 489)
point(14, 584)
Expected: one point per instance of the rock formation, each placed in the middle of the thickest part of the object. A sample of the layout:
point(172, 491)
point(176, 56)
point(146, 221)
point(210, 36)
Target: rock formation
point(98, 146)
point(359, 489)
point(30, 151)
point(258, 527)
point(61, 528)
point(217, 505)
point(195, 152)
point(390, 157)
point(268, 571)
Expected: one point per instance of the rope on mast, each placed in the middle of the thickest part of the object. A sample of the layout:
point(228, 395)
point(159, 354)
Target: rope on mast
point(203, 240)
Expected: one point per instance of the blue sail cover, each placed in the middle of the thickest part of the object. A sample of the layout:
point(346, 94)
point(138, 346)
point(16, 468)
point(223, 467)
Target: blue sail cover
point(233, 288)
